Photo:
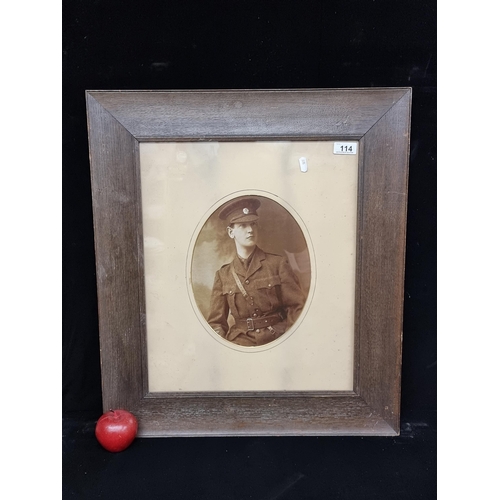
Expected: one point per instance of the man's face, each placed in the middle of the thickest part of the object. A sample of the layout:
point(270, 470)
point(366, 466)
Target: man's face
point(245, 234)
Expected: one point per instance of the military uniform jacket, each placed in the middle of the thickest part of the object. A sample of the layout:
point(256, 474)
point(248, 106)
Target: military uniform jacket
point(272, 288)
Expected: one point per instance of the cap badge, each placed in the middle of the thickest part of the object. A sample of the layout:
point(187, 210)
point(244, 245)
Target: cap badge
point(245, 211)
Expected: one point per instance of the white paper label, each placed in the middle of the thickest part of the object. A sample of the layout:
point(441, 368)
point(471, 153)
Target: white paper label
point(345, 148)
point(303, 164)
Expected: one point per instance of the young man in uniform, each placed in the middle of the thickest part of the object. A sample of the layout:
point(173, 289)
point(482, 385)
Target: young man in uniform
point(260, 290)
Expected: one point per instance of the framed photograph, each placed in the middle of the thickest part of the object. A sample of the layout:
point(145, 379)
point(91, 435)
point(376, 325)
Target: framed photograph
point(250, 258)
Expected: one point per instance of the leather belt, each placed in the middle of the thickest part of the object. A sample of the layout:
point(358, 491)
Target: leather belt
point(256, 323)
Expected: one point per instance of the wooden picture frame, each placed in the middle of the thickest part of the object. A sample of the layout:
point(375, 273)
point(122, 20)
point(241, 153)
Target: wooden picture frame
point(379, 119)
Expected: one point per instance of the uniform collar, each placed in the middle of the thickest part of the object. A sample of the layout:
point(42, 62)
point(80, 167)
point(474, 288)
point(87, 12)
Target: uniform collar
point(255, 264)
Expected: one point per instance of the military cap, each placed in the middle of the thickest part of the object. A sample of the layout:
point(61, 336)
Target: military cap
point(240, 210)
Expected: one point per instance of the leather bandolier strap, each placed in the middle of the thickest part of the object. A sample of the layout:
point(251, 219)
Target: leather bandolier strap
point(254, 323)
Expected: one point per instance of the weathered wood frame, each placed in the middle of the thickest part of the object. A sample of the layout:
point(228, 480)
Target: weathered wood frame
point(380, 119)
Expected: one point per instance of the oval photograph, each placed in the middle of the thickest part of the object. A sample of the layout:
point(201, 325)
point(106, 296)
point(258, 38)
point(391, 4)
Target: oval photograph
point(251, 271)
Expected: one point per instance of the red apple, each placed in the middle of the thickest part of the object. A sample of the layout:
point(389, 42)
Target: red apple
point(116, 430)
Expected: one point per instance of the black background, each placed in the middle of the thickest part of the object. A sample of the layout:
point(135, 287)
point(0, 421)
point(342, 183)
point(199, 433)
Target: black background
point(249, 45)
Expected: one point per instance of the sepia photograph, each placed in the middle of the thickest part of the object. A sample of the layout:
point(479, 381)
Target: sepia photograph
point(262, 271)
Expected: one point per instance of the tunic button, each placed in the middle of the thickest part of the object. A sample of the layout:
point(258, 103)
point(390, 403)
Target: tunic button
point(269, 285)
point(230, 292)
point(257, 331)
point(246, 282)
point(254, 315)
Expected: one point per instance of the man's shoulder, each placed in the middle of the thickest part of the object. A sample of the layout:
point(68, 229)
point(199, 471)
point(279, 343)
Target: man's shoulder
point(277, 262)
point(273, 262)
point(274, 258)
point(225, 269)
point(262, 254)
